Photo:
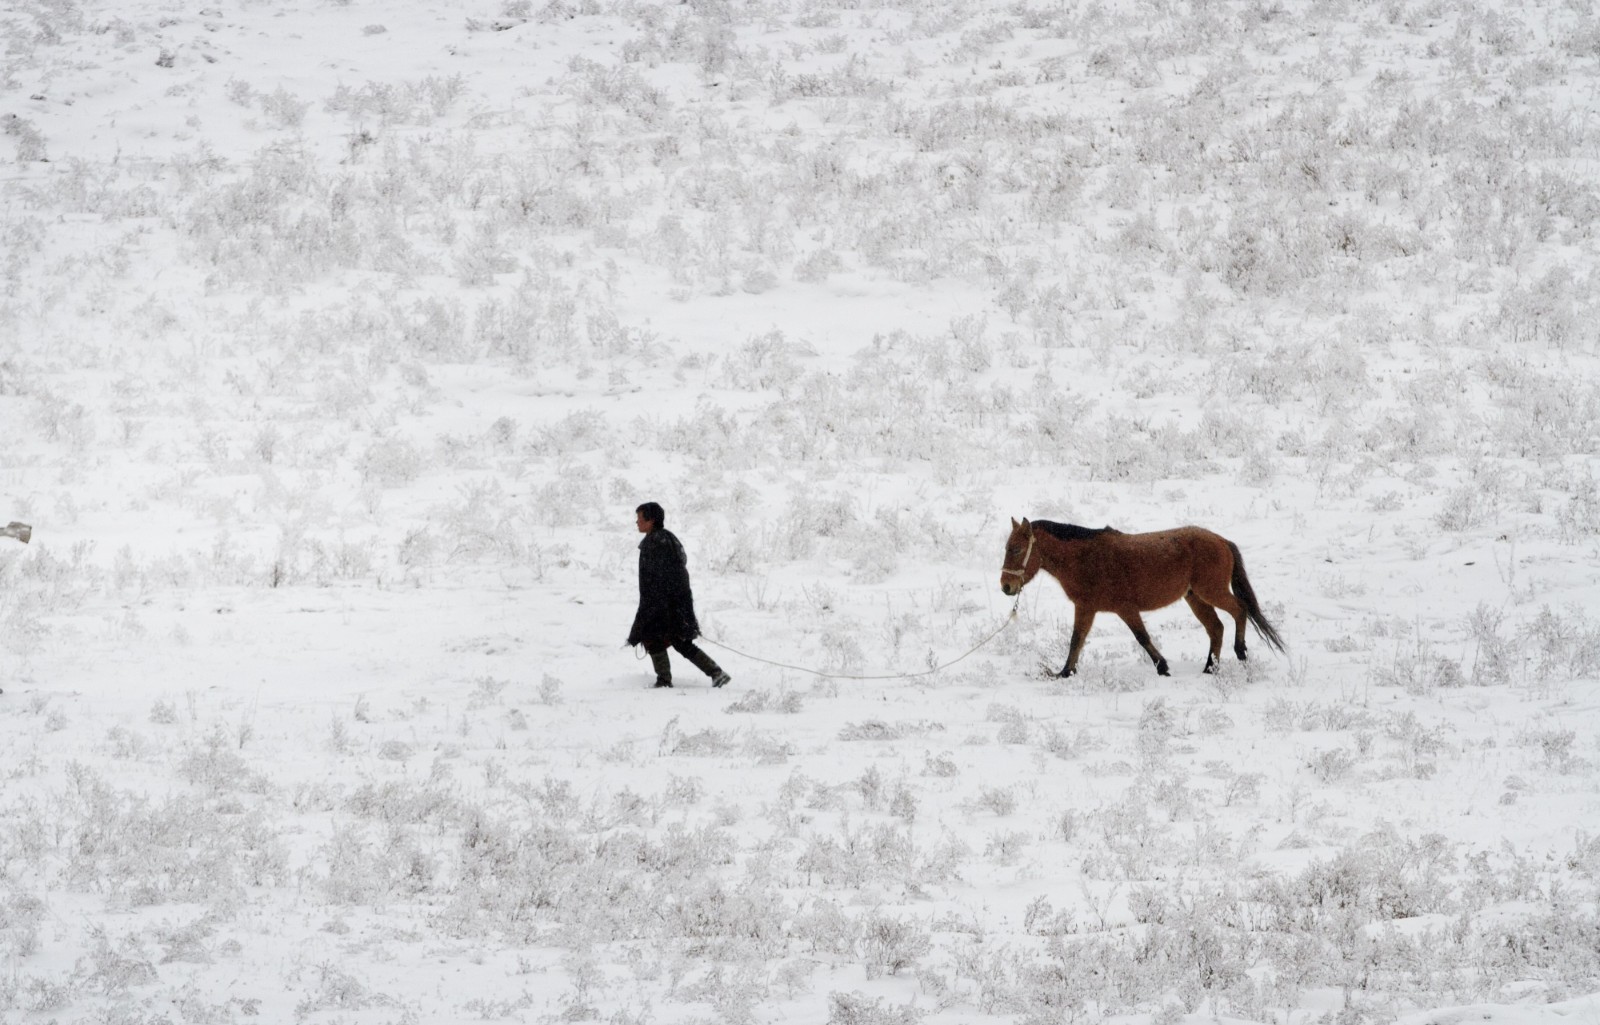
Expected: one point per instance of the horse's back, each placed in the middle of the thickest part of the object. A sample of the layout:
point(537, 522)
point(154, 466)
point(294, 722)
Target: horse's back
point(1187, 538)
point(1186, 531)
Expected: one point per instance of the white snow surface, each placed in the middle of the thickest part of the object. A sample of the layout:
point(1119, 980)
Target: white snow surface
point(340, 339)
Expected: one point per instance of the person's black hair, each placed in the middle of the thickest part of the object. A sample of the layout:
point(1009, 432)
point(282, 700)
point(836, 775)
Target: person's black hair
point(653, 512)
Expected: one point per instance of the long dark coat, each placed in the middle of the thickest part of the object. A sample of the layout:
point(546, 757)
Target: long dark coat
point(666, 604)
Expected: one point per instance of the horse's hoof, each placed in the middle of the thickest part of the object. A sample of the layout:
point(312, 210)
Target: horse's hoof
point(1161, 668)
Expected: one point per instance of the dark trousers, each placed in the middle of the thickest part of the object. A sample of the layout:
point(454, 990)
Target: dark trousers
point(689, 650)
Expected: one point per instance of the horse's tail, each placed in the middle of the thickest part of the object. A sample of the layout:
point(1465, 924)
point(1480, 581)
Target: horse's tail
point(1247, 597)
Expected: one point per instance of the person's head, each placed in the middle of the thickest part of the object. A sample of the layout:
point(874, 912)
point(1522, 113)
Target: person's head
point(651, 517)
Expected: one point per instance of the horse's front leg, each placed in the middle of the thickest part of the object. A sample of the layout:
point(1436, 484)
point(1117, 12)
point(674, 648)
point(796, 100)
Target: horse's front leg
point(1082, 620)
point(1136, 624)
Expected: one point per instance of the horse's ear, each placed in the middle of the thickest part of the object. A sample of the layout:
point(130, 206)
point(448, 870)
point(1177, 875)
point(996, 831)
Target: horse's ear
point(1025, 523)
point(1014, 523)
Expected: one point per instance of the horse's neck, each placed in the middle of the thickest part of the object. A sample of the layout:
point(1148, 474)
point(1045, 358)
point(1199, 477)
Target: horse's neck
point(1056, 557)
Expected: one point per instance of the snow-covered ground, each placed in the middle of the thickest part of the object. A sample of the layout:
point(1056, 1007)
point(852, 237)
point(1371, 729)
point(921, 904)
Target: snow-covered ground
point(339, 340)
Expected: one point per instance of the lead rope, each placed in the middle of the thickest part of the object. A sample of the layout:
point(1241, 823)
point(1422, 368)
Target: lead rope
point(882, 676)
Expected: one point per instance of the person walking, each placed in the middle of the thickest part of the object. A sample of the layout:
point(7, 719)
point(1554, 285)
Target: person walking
point(666, 604)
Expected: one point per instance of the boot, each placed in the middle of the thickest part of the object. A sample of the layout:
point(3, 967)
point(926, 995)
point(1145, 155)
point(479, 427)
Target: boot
point(703, 662)
point(663, 668)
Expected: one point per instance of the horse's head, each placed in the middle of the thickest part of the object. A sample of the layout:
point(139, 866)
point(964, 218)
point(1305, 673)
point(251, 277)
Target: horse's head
point(1020, 564)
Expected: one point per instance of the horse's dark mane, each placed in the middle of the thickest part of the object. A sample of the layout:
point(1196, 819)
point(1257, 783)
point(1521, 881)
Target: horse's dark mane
point(1071, 531)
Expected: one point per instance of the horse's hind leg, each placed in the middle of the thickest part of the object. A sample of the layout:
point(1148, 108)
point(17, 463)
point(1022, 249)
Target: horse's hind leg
point(1136, 624)
point(1225, 601)
point(1213, 623)
point(1082, 620)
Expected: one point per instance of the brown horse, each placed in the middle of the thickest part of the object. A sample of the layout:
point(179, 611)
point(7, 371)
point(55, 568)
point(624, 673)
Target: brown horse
point(1106, 570)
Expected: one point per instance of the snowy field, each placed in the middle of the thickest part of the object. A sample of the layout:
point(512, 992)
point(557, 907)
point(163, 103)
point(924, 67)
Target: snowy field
point(339, 340)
